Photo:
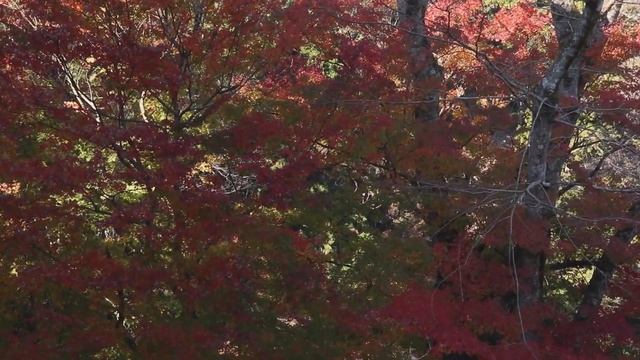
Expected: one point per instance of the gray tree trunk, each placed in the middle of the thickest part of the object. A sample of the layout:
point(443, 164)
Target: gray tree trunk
point(555, 111)
point(425, 73)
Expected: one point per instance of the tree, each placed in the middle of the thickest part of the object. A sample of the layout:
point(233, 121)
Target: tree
point(452, 179)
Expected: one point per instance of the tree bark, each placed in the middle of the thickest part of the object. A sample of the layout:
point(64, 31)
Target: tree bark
point(555, 111)
point(425, 73)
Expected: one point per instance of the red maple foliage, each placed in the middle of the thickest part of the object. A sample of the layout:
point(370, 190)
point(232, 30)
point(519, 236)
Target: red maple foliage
point(330, 179)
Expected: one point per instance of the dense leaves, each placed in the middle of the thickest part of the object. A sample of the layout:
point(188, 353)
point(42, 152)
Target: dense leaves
point(327, 179)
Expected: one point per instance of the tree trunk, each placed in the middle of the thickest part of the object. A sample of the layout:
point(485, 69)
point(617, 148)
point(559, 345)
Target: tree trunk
point(555, 113)
point(425, 73)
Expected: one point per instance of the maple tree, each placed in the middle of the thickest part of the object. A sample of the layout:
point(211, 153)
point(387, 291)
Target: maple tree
point(330, 179)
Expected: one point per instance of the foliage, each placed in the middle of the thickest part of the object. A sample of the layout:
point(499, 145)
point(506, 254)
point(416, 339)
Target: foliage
point(247, 179)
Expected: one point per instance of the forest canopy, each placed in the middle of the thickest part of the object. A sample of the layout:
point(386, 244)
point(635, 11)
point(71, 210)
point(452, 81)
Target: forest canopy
point(319, 179)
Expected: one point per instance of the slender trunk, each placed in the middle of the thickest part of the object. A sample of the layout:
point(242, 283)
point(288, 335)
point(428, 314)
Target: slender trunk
point(425, 73)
